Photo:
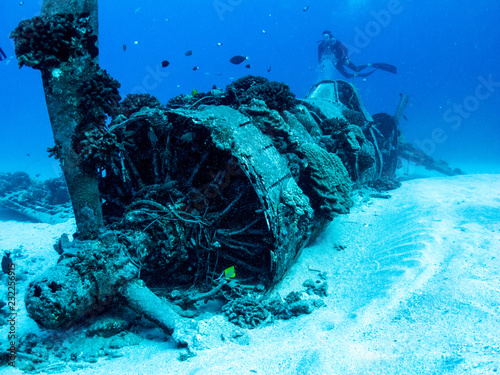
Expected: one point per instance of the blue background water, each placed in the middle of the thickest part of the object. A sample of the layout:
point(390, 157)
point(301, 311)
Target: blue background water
point(444, 51)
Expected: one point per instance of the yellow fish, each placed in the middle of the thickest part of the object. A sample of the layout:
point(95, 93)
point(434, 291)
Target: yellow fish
point(229, 273)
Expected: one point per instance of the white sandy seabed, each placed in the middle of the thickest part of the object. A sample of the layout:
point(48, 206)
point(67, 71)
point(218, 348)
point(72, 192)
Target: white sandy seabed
point(416, 290)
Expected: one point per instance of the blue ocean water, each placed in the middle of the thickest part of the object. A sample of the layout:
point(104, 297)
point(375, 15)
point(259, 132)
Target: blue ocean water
point(446, 53)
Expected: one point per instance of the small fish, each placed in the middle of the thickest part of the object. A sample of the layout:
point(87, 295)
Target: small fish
point(124, 47)
point(248, 66)
point(269, 69)
point(305, 8)
point(6, 263)
point(229, 273)
point(238, 59)
point(219, 44)
point(195, 68)
point(164, 63)
point(188, 53)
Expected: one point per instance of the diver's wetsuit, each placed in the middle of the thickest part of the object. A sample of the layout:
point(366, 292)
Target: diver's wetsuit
point(337, 53)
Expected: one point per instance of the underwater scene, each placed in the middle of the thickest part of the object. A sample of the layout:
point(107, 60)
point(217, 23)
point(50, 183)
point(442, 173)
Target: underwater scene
point(250, 187)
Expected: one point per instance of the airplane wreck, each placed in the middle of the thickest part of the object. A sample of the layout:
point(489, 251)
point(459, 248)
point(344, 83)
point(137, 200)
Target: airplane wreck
point(173, 195)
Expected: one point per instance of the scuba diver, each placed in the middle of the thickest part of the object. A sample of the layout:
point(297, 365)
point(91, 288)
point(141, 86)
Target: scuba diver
point(331, 51)
point(3, 56)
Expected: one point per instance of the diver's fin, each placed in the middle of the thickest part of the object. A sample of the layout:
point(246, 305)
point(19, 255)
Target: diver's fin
point(364, 74)
point(387, 67)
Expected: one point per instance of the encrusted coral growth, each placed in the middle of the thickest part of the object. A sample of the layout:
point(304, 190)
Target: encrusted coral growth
point(193, 101)
point(276, 95)
point(95, 146)
point(46, 42)
point(182, 100)
point(249, 312)
point(325, 181)
point(244, 83)
point(99, 94)
point(318, 287)
point(270, 122)
point(294, 304)
point(333, 126)
point(354, 117)
point(98, 97)
point(348, 142)
point(135, 102)
point(86, 279)
point(246, 312)
point(345, 137)
point(366, 158)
